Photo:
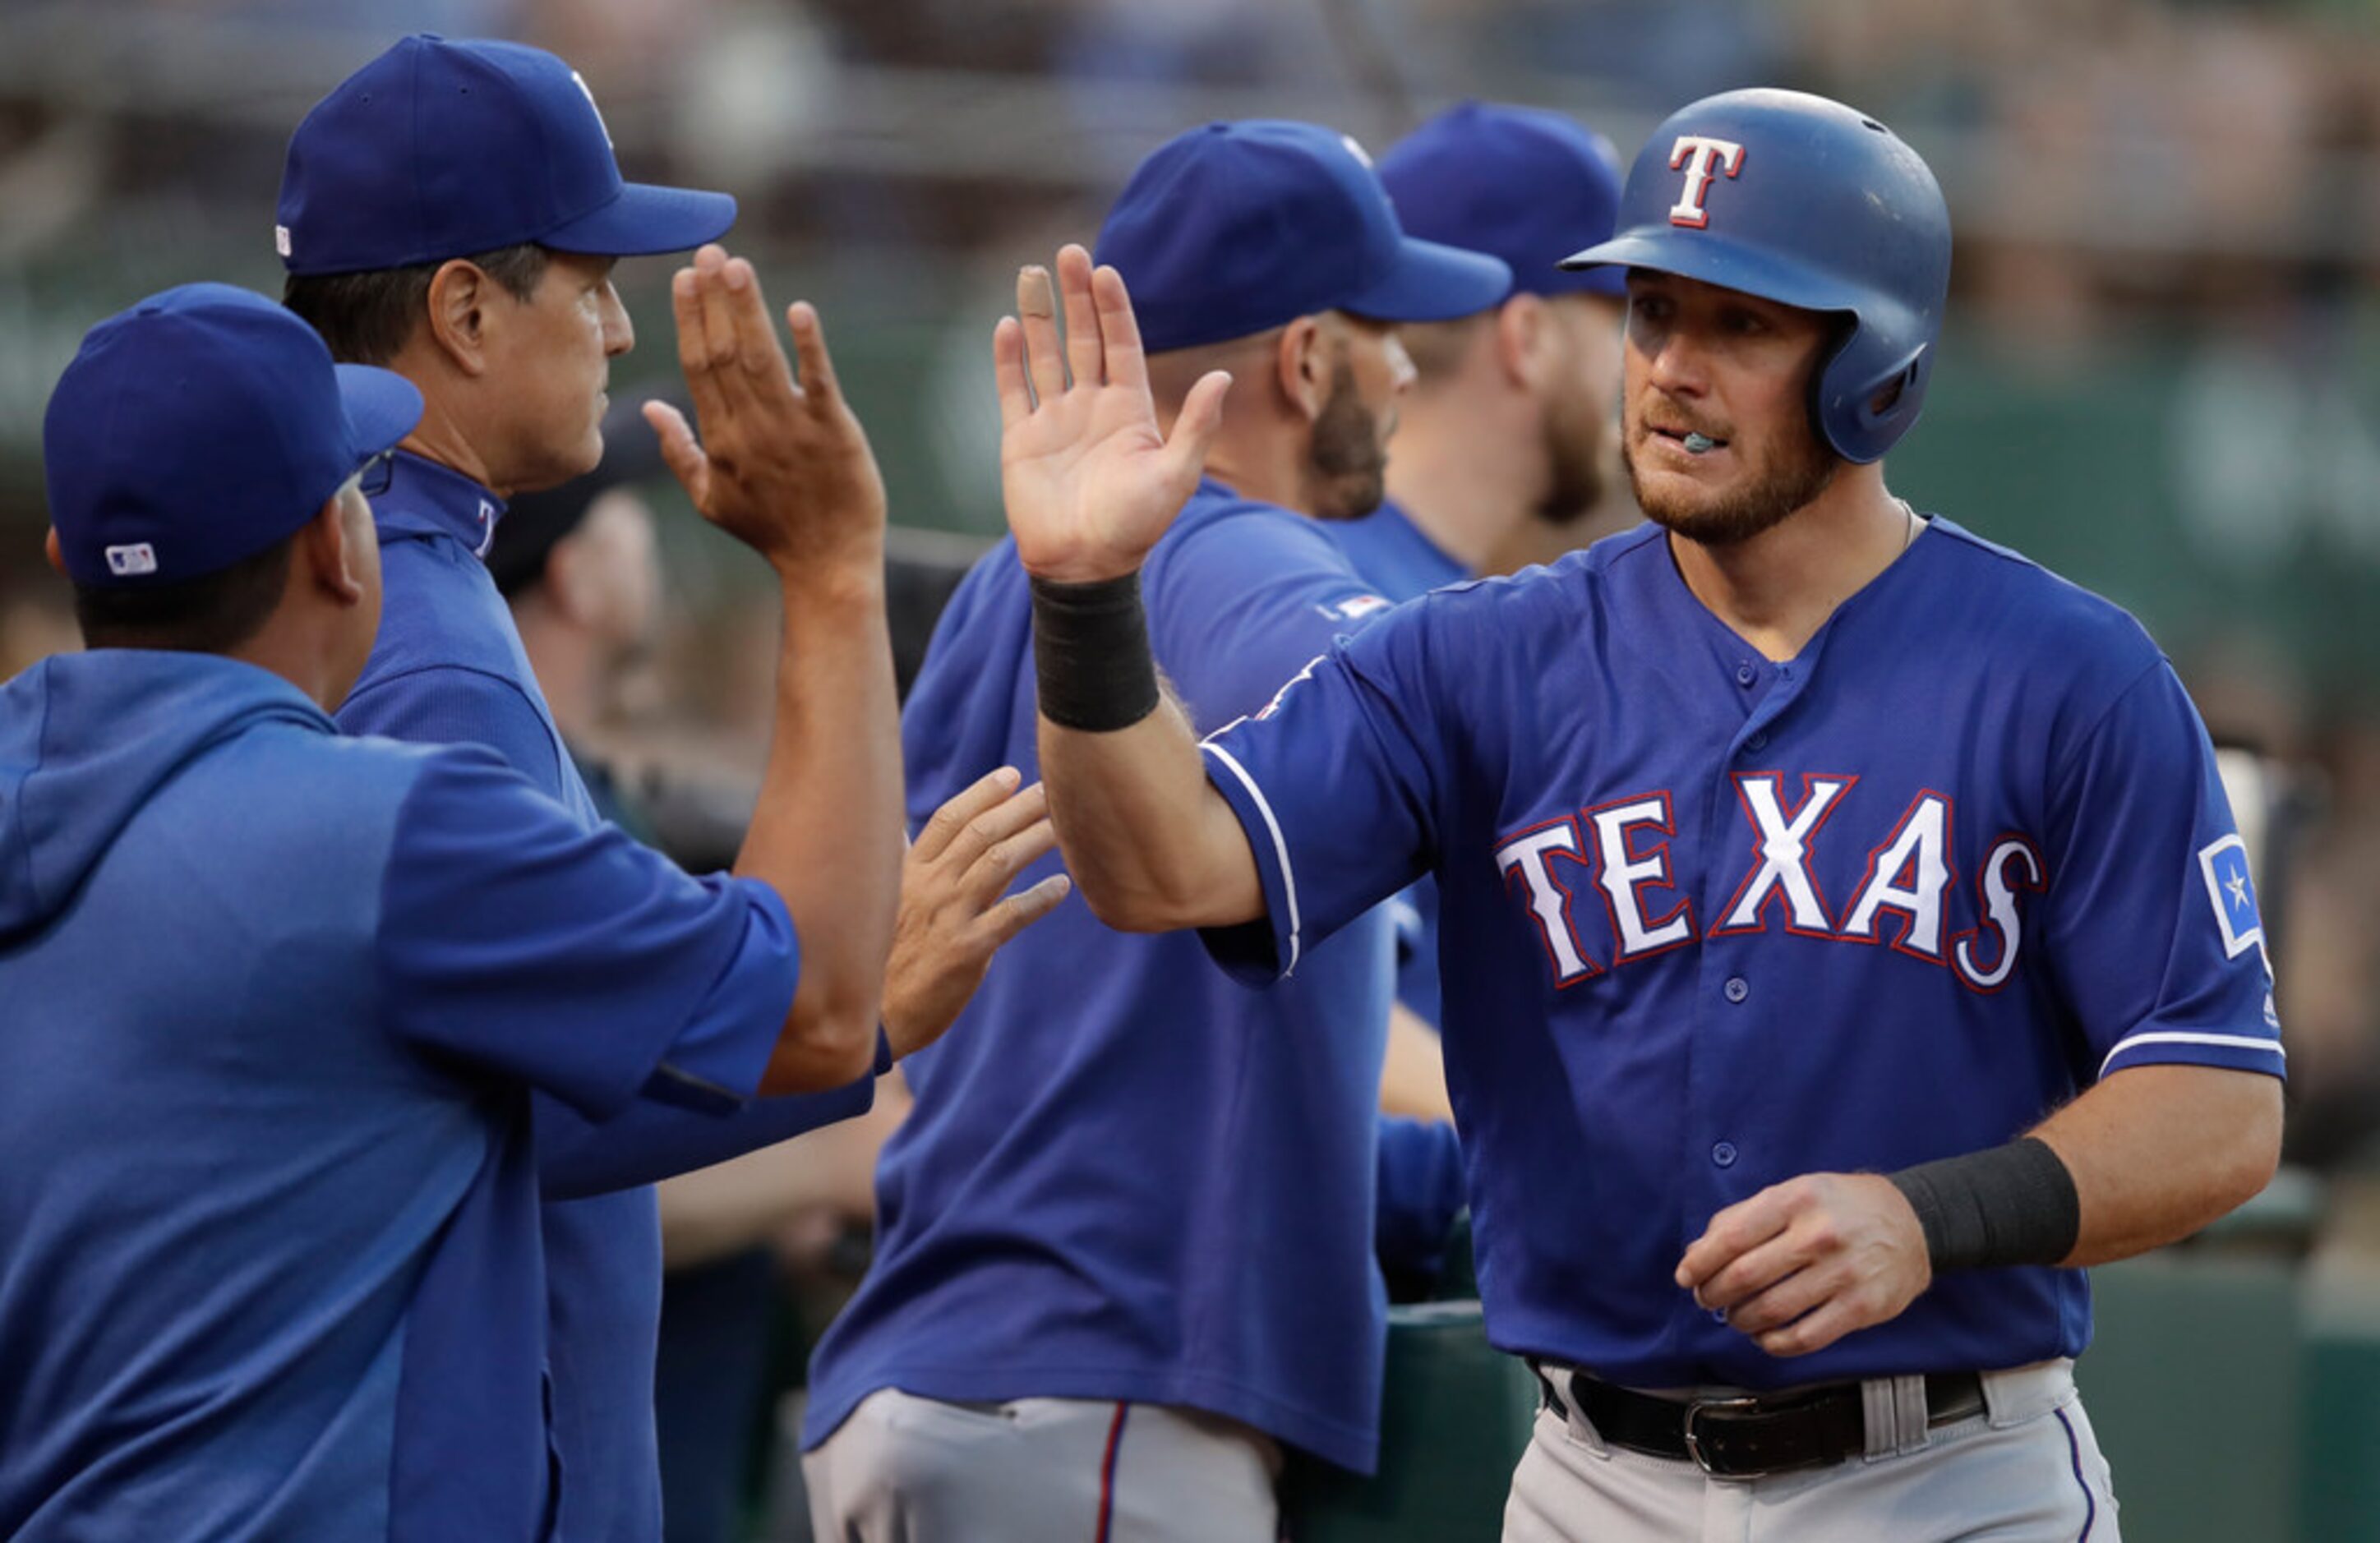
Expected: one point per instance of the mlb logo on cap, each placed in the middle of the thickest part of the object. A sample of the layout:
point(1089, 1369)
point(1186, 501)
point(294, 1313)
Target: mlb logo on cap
point(125, 561)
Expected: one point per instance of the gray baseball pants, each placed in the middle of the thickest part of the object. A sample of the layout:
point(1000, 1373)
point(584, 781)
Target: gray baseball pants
point(904, 1469)
point(2026, 1470)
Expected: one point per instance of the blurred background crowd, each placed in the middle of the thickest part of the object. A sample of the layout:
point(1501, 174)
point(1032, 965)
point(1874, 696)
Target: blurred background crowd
point(2161, 376)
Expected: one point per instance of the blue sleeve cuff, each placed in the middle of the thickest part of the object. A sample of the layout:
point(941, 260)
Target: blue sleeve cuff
point(2238, 1052)
point(1261, 952)
point(718, 1060)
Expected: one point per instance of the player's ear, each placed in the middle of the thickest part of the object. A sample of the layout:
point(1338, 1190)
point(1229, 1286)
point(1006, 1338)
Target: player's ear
point(458, 317)
point(329, 547)
point(58, 557)
point(1523, 337)
point(1302, 365)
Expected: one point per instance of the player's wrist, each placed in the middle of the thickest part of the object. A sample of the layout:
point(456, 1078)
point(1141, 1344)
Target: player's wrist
point(2005, 1205)
point(1091, 662)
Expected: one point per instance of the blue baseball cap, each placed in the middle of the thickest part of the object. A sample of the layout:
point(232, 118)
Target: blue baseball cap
point(1235, 227)
point(439, 150)
point(1525, 185)
point(201, 427)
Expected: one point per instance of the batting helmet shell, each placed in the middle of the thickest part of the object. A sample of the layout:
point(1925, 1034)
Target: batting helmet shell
point(1810, 203)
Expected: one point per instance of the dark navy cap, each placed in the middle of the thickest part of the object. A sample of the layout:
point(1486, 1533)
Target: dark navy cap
point(438, 149)
point(201, 427)
point(1525, 185)
point(1235, 227)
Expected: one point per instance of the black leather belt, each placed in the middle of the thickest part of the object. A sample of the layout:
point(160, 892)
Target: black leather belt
point(1745, 1438)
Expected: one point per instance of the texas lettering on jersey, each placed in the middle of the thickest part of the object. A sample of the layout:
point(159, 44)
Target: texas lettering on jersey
point(1612, 861)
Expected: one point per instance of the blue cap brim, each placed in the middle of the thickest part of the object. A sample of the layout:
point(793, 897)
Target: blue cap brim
point(646, 219)
point(382, 405)
point(1434, 283)
point(1716, 261)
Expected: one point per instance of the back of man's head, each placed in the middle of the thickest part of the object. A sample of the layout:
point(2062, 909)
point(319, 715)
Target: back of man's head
point(188, 443)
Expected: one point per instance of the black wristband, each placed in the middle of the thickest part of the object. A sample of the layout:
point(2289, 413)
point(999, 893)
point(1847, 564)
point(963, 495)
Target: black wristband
point(1091, 662)
point(2008, 1205)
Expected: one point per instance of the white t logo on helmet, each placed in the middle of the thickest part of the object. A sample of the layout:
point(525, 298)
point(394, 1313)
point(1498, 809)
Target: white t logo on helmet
point(1701, 159)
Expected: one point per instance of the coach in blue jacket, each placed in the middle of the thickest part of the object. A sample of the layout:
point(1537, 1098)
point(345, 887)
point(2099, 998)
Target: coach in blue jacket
point(452, 212)
point(269, 1254)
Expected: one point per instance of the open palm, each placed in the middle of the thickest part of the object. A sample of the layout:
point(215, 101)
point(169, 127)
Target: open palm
point(1090, 482)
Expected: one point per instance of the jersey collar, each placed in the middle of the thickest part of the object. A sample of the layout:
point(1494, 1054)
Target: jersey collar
point(424, 498)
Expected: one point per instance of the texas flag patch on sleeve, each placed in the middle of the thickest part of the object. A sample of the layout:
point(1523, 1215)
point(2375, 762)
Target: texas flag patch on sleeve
point(2232, 889)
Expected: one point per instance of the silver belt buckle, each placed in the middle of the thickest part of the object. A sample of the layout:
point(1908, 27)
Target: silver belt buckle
point(1695, 1410)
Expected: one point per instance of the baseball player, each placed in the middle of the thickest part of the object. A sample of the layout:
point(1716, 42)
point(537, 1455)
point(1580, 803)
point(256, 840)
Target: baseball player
point(1511, 414)
point(1847, 937)
point(453, 210)
point(270, 1263)
point(1126, 1245)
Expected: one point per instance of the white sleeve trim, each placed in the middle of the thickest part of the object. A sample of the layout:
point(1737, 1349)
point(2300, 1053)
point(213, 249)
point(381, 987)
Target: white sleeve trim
point(2176, 1037)
point(1280, 846)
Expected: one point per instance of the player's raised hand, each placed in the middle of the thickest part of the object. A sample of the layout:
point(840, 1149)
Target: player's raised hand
point(782, 466)
point(1089, 481)
point(955, 911)
point(1803, 1263)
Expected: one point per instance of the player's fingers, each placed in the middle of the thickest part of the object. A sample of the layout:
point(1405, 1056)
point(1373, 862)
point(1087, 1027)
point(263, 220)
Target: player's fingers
point(693, 346)
point(1008, 369)
point(1736, 1231)
point(680, 451)
point(946, 822)
point(1813, 1331)
point(717, 308)
point(1036, 313)
point(1194, 431)
point(1024, 908)
point(1127, 360)
point(1004, 860)
point(809, 346)
point(1008, 817)
point(1755, 1271)
point(1785, 1299)
point(760, 358)
point(1085, 358)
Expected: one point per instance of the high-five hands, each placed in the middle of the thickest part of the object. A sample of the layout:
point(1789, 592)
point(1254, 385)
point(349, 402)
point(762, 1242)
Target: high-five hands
point(783, 466)
point(1089, 480)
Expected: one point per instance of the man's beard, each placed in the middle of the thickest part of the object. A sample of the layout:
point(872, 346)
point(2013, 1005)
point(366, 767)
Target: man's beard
point(1347, 462)
point(1573, 449)
point(1807, 471)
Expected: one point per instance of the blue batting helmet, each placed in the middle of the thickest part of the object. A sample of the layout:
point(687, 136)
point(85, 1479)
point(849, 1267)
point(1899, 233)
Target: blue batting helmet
point(1809, 203)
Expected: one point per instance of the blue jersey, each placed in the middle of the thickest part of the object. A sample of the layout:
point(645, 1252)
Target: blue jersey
point(1127, 1177)
point(269, 1254)
point(1714, 922)
point(1404, 563)
point(449, 668)
point(1394, 554)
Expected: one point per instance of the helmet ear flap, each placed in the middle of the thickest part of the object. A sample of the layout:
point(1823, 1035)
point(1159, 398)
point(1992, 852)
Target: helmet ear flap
point(1862, 406)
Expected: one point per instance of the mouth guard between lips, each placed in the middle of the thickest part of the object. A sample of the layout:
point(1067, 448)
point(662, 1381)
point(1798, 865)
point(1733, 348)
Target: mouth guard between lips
point(1697, 445)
